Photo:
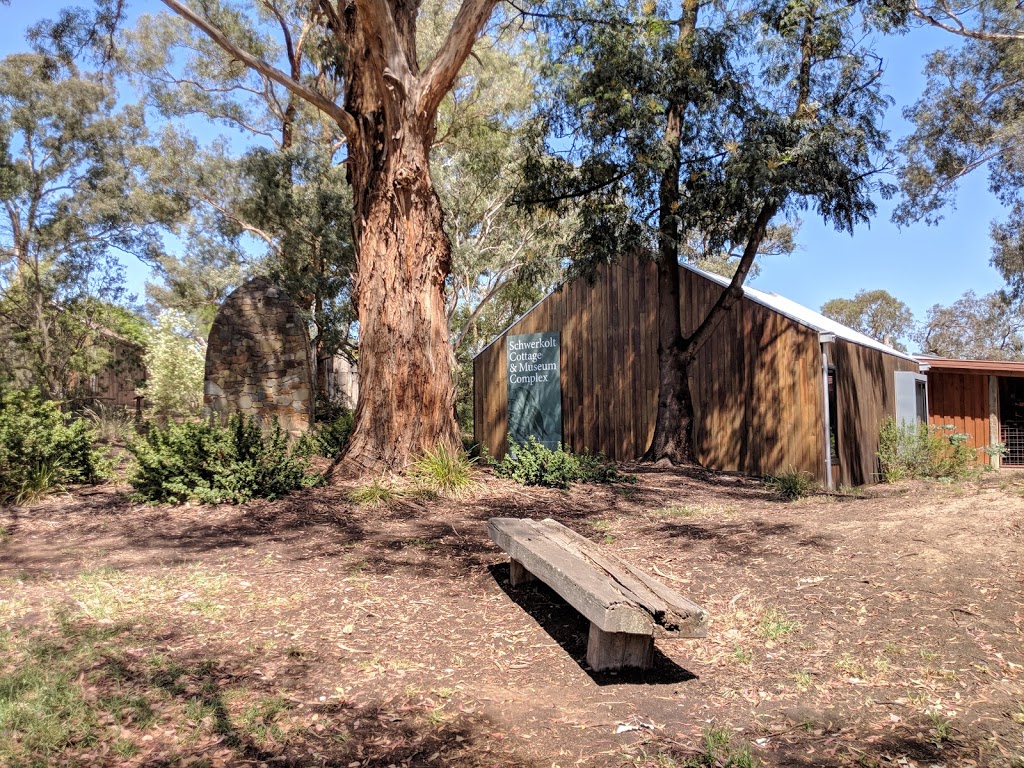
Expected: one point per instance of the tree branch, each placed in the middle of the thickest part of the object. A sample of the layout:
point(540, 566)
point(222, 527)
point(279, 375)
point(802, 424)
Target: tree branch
point(344, 120)
point(957, 27)
point(440, 75)
point(734, 291)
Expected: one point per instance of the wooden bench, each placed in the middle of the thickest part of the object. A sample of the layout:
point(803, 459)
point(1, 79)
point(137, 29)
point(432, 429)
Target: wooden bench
point(626, 607)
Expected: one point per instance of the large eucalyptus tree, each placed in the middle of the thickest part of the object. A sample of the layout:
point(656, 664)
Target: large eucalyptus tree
point(386, 113)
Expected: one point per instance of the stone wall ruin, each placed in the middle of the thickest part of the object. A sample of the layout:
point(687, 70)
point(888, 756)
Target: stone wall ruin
point(258, 359)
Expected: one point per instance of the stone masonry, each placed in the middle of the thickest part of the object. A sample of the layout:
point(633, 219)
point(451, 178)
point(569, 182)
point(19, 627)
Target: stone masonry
point(258, 359)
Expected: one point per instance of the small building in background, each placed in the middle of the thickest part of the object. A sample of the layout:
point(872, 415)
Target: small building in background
point(115, 384)
point(342, 382)
point(983, 399)
point(777, 387)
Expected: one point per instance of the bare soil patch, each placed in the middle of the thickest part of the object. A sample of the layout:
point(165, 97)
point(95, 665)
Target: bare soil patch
point(878, 630)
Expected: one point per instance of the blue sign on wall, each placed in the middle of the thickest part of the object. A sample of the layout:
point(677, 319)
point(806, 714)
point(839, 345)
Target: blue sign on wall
point(534, 388)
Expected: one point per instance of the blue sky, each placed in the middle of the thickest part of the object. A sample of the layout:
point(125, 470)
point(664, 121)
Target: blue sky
point(919, 264)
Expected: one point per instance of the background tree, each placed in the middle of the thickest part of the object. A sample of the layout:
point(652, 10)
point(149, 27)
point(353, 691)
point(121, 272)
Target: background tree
point(877, 314)
point(284, 209)
point(971, 117)
point(705, 126)
point(504, 258)
point(72, 197)
point(780, 240)
point(281, 208)
point(987, 327)
point(175, 367)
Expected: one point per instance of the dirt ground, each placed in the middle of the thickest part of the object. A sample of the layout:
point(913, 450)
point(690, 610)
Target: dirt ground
point(882, 629)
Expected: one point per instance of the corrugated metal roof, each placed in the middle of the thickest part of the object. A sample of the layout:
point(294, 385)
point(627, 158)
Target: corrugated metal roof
point(801, 314)
point(1004, 367)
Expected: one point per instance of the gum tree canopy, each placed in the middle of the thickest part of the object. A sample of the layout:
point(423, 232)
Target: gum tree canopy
point(386, 114)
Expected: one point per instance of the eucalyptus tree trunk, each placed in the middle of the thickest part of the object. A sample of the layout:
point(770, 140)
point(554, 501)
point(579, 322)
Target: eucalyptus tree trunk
point(406, 366)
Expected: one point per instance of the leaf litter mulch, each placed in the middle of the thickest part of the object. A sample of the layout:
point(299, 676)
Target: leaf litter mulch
point(882, 629)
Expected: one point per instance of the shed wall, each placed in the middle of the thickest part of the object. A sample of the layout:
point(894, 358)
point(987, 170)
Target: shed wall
point(608, 364)
point(865, 395)
point(960, 399)
point(756, 385)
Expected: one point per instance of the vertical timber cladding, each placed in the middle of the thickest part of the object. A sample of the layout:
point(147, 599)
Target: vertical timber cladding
point(865, 394)
point(535, 388)
point(609, 365)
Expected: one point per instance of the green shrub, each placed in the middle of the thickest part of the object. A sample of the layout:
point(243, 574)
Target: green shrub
point(530, 463)
point(207, 463)
point(444, 471)
point(913, 451)
point(331, 435)
point(42, 448)
point(792, 484)
point(596, 468)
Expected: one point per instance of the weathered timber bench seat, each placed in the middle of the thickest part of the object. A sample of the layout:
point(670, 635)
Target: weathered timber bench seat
point(626, 607)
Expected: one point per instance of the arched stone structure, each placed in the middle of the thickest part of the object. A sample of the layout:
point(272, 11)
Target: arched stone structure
point(258, 359)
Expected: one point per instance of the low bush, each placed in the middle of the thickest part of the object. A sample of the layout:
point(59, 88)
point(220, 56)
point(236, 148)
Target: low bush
point(914, 451)
point(207, 463)
point(444, 471)
point(331, 435)
point(43, 448)
point(531, 463)
point(792, 484)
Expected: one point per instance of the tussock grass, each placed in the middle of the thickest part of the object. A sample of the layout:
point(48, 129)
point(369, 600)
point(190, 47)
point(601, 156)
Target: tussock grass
point(775, 625)
point(792, 484)
point(377, 493)
point(447, 472)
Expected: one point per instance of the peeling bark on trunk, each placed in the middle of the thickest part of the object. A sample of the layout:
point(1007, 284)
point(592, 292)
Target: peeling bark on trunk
point(406, 387)
point(406, 366)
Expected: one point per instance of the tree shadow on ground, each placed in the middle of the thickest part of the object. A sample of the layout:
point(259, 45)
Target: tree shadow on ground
point(570, 630)
point(741, 539)
point(164, 698)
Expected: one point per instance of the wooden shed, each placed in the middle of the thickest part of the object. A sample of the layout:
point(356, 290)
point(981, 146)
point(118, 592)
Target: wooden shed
point(983, 399)
point(777, 386)
point(116, 384)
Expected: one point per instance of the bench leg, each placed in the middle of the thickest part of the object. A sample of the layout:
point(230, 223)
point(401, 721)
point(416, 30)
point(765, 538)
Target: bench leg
point(518, 574)
point(616, 650)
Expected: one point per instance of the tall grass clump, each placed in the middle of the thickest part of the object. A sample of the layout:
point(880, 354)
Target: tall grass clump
point(43, 449)
point(792, 484)
point(211, 464)
point(445, 471)
point(377, 493)
point(531, 463)
point(112, 424)
point(914, 451)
